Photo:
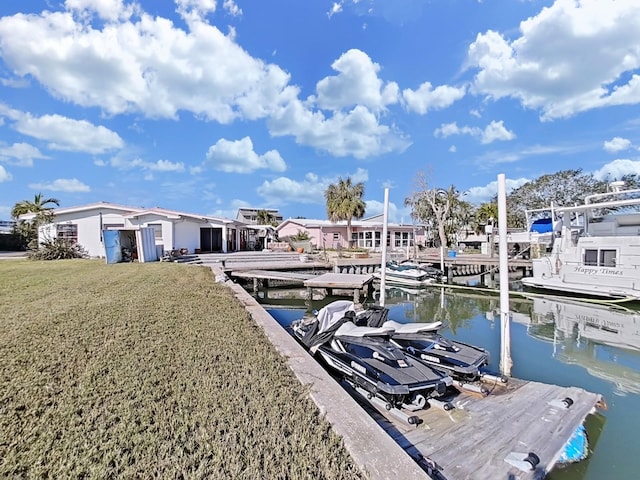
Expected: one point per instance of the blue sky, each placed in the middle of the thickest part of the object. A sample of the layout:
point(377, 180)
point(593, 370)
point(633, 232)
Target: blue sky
point(206, 106)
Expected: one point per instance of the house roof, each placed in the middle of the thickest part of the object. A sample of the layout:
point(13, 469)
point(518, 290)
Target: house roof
point(175, 215)
point(256, 210)
point(314, 223)
point(133, 212)
point(172, 214)
point(85, 208)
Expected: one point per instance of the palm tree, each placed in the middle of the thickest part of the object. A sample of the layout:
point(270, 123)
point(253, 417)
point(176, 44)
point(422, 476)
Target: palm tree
point(264, 218)
point(39, 205)
point(43, 211)
point(344, 202)
point(486, 213)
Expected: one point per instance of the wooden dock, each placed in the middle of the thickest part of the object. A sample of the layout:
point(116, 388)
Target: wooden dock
point(330, 281)
point(475, 440)
point(341, 281)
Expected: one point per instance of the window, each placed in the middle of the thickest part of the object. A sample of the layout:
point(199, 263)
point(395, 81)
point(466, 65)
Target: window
point(600, 258)
point(608, 258)
point(368, 239)
point(67, 232)
point(336, 236)
point(356, 239)
point(398, 239)
point(157, 230)
point(591, 257)
point(403, 239)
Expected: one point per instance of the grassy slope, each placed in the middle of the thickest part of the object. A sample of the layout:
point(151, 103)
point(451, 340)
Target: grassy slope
point(147, 370)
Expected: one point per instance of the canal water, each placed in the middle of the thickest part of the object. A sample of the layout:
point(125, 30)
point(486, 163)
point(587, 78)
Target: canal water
point(553, 340)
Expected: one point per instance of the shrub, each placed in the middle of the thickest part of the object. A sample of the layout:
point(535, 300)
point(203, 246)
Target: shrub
point(58, 249)
point(300, 236)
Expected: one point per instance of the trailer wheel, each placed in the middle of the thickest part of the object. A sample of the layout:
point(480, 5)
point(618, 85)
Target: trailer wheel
point(568, 401)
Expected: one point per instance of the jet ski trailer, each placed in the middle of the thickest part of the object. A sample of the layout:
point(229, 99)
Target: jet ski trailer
point(465, 363)
point(366, 360)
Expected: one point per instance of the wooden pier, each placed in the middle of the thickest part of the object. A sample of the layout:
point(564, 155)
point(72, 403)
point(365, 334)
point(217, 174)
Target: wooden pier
point(462, 265)
point(477, 439)
point(341, 281)
point(355, 283)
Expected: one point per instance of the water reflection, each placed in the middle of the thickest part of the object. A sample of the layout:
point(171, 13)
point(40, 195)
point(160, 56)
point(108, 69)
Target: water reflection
point(604, 340)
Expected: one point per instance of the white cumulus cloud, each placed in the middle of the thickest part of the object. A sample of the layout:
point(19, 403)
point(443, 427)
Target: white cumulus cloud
point(63, 133)
point(356, 133)
point(62, 185)
point(356, 84)
point(20, 154)
point(617, 144)
point(428, 98)
point(558, 64)
point(4, 175)
point(493, 132)
point(618, 168)
point(238, 156)
point(232, 8)
point(283, 190)
point(110, 10)
point(485, 193)
point(121, 162)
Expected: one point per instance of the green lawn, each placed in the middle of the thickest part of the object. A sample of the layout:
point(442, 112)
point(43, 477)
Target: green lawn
point(147, 371)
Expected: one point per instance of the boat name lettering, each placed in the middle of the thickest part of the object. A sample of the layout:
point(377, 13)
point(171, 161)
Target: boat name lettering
point(358, 367)
point(590, 320)
point(597, 271)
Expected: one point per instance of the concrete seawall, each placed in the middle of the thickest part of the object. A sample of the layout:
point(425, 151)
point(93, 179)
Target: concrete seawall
point(372, 449)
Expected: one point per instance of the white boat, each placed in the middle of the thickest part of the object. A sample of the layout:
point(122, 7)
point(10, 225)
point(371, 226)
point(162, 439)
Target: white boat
point(596, 248)
point(410, 274)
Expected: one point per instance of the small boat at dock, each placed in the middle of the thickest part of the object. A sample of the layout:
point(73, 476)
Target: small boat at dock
point(410, 274)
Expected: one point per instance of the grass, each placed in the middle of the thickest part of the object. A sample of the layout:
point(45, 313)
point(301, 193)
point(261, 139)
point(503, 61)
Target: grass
point(147, 371)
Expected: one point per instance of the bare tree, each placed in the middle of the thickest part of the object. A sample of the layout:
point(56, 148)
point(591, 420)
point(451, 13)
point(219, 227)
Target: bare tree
point(432, 204)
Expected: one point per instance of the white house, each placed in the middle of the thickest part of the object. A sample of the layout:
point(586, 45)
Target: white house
point(173, 230)
point(249, 215)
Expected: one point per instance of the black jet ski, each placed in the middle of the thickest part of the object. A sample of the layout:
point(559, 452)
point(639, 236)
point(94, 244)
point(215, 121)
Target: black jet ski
point(463, 362)
point(368, 361)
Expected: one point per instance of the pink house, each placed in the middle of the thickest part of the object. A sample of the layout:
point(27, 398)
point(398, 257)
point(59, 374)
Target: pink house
point(366, 233)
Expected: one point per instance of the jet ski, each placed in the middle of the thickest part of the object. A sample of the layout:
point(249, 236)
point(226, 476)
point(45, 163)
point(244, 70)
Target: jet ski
point(465, 363)
point(365, 358)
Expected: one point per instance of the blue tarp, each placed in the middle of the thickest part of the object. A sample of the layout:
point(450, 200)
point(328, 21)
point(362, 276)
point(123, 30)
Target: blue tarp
point(542, 225)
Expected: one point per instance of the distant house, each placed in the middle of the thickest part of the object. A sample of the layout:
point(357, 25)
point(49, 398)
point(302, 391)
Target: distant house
point(249, 216)
point(6, 226)
point(366, 233)
point(173, 230)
